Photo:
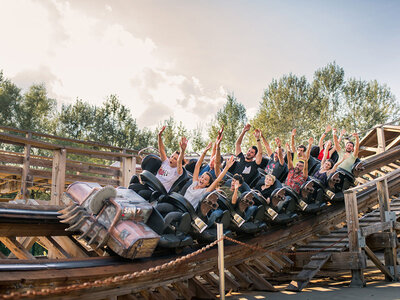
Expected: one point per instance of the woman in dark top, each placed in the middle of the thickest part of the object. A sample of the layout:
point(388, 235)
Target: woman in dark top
point(328, 167)
point(268, 186)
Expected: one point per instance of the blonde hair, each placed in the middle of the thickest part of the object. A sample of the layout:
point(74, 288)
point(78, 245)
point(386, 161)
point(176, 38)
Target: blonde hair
point(272, 177)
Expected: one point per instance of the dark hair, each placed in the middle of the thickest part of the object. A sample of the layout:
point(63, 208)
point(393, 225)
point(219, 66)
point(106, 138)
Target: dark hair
point(238, 178)
point(302, 146)
point(211, 178)
point(332, 162)
point(255, 148)
point(350, 143)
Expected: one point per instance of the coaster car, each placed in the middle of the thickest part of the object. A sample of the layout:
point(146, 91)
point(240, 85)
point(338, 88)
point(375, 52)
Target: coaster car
point(342, 180)
point(204, 219)
point(110, 217)
point(283, 206)
point(245, 216)
point(313, 194)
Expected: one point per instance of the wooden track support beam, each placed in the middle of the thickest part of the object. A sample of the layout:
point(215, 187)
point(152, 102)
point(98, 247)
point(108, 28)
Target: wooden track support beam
point(16, 248)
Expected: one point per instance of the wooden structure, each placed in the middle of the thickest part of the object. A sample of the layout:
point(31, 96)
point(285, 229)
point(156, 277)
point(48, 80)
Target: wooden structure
point(61, 162)
point(78, 270)
point(379, 139)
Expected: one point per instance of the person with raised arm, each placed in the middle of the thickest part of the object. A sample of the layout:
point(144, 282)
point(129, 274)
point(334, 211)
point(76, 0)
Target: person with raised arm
point(171, 168)
point(299, 152)
point(298, 174)
point(214, 166)
point(276, 165)
point(205, 183)
point(328, 167)
point(247, 166)
point(351, 150)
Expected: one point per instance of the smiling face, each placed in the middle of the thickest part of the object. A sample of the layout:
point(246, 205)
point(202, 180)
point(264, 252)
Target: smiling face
point(268, 181)
point(299, 167)
point(173, 160)
point(204, 180)
point(327, 165)
point(349, 147)
point(251, 153)
point(300, 151)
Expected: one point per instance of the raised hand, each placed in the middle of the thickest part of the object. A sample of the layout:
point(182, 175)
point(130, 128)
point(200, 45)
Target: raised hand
point(237, 184)
point(230, 162)
point(355, 134)
point(334, 131)
point(287, 147)
point(294, 131)
point(278, 142)
point(246, 127)
point(162, 130)
point(183, 143)
point(310, 140)
point(343, 132)
point(208, 147)
point(328, 128)
point(257, 134)
point(220, 133)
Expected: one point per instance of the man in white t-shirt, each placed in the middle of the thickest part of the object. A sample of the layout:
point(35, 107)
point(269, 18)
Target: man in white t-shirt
point(350, 148)
point(171, 168)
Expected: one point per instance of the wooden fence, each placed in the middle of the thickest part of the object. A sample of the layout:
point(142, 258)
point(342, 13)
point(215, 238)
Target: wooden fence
point(59, 162)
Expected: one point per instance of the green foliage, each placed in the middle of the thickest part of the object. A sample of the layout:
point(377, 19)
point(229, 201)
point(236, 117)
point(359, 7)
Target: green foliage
point(171, 135)
point(197, 141)
point(233, 117)
point(292, 102)
point(9, 98)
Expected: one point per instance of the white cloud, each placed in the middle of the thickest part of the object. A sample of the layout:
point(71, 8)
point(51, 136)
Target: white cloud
point(80, 56)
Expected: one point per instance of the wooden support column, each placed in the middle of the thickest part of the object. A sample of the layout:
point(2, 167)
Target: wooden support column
point(350, 200)
point(390, 253)
point(128, 169)
point(26, 179)
point(58, 176)
point(380, 133)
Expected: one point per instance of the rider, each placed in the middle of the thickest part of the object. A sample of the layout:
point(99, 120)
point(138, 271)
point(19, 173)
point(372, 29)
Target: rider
point(350, 148)
point(247, 166)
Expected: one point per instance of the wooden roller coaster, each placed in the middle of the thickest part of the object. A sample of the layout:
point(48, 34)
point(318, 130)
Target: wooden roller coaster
point(334, 239)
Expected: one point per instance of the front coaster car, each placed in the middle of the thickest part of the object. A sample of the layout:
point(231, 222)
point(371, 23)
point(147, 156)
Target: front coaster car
point(113, 217)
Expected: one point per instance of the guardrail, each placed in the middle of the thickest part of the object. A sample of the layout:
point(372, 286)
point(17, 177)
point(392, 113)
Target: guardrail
point(61, 161)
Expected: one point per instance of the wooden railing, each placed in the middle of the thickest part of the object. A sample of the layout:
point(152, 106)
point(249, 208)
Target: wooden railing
point(61, 161)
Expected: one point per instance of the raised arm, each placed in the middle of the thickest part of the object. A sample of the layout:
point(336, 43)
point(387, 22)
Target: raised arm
point(335, 140)
point(235, 192)
point(328, 145)
point(357, 145)
point(217, 166)
point(280, 152)
point(266, 144)
point(215, 183)
point(305, 170)
point(289, 157)
point(161, 147)
point(199, 162)
point(238, 144)
point(183, 145)
point(321, 140)
point(334, 168)
point(292, 140)
point(257, 135)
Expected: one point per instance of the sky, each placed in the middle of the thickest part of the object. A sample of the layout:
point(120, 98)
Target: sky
point(181, 58)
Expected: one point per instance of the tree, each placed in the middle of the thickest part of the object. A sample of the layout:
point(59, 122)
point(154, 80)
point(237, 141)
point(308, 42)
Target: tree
point(367, 104)
point(36, 111)
point(10, 96)
point(284, 106)
point(233, 117)
point(172, 134)
point(198, 143)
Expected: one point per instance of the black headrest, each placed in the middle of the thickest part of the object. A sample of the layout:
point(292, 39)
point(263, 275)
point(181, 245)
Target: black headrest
point(314, 151)
point(151, 163)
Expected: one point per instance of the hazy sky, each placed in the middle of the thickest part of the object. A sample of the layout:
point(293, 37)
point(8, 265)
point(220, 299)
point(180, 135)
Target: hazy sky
point(181, 58)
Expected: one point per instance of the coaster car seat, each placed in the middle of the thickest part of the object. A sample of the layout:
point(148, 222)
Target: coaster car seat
point(313, 194)
point(204, 219)
point(279, 204)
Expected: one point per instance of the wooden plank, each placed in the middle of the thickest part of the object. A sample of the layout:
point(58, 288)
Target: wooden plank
point(26, 242)
point(365, 231)
point(261, 266)
point(200, 291)
point(183, 290)
point(16, 248)
point(25, 170)
point(274, 264)
point(244, 281)
point(54, 248)
point(258, 281)
point(128, 169)
point(58, 176)
point(210, 279)
point(378, 263)
point(167, 293)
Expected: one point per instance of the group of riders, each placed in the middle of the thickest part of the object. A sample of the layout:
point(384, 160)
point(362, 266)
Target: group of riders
point(246, 187)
